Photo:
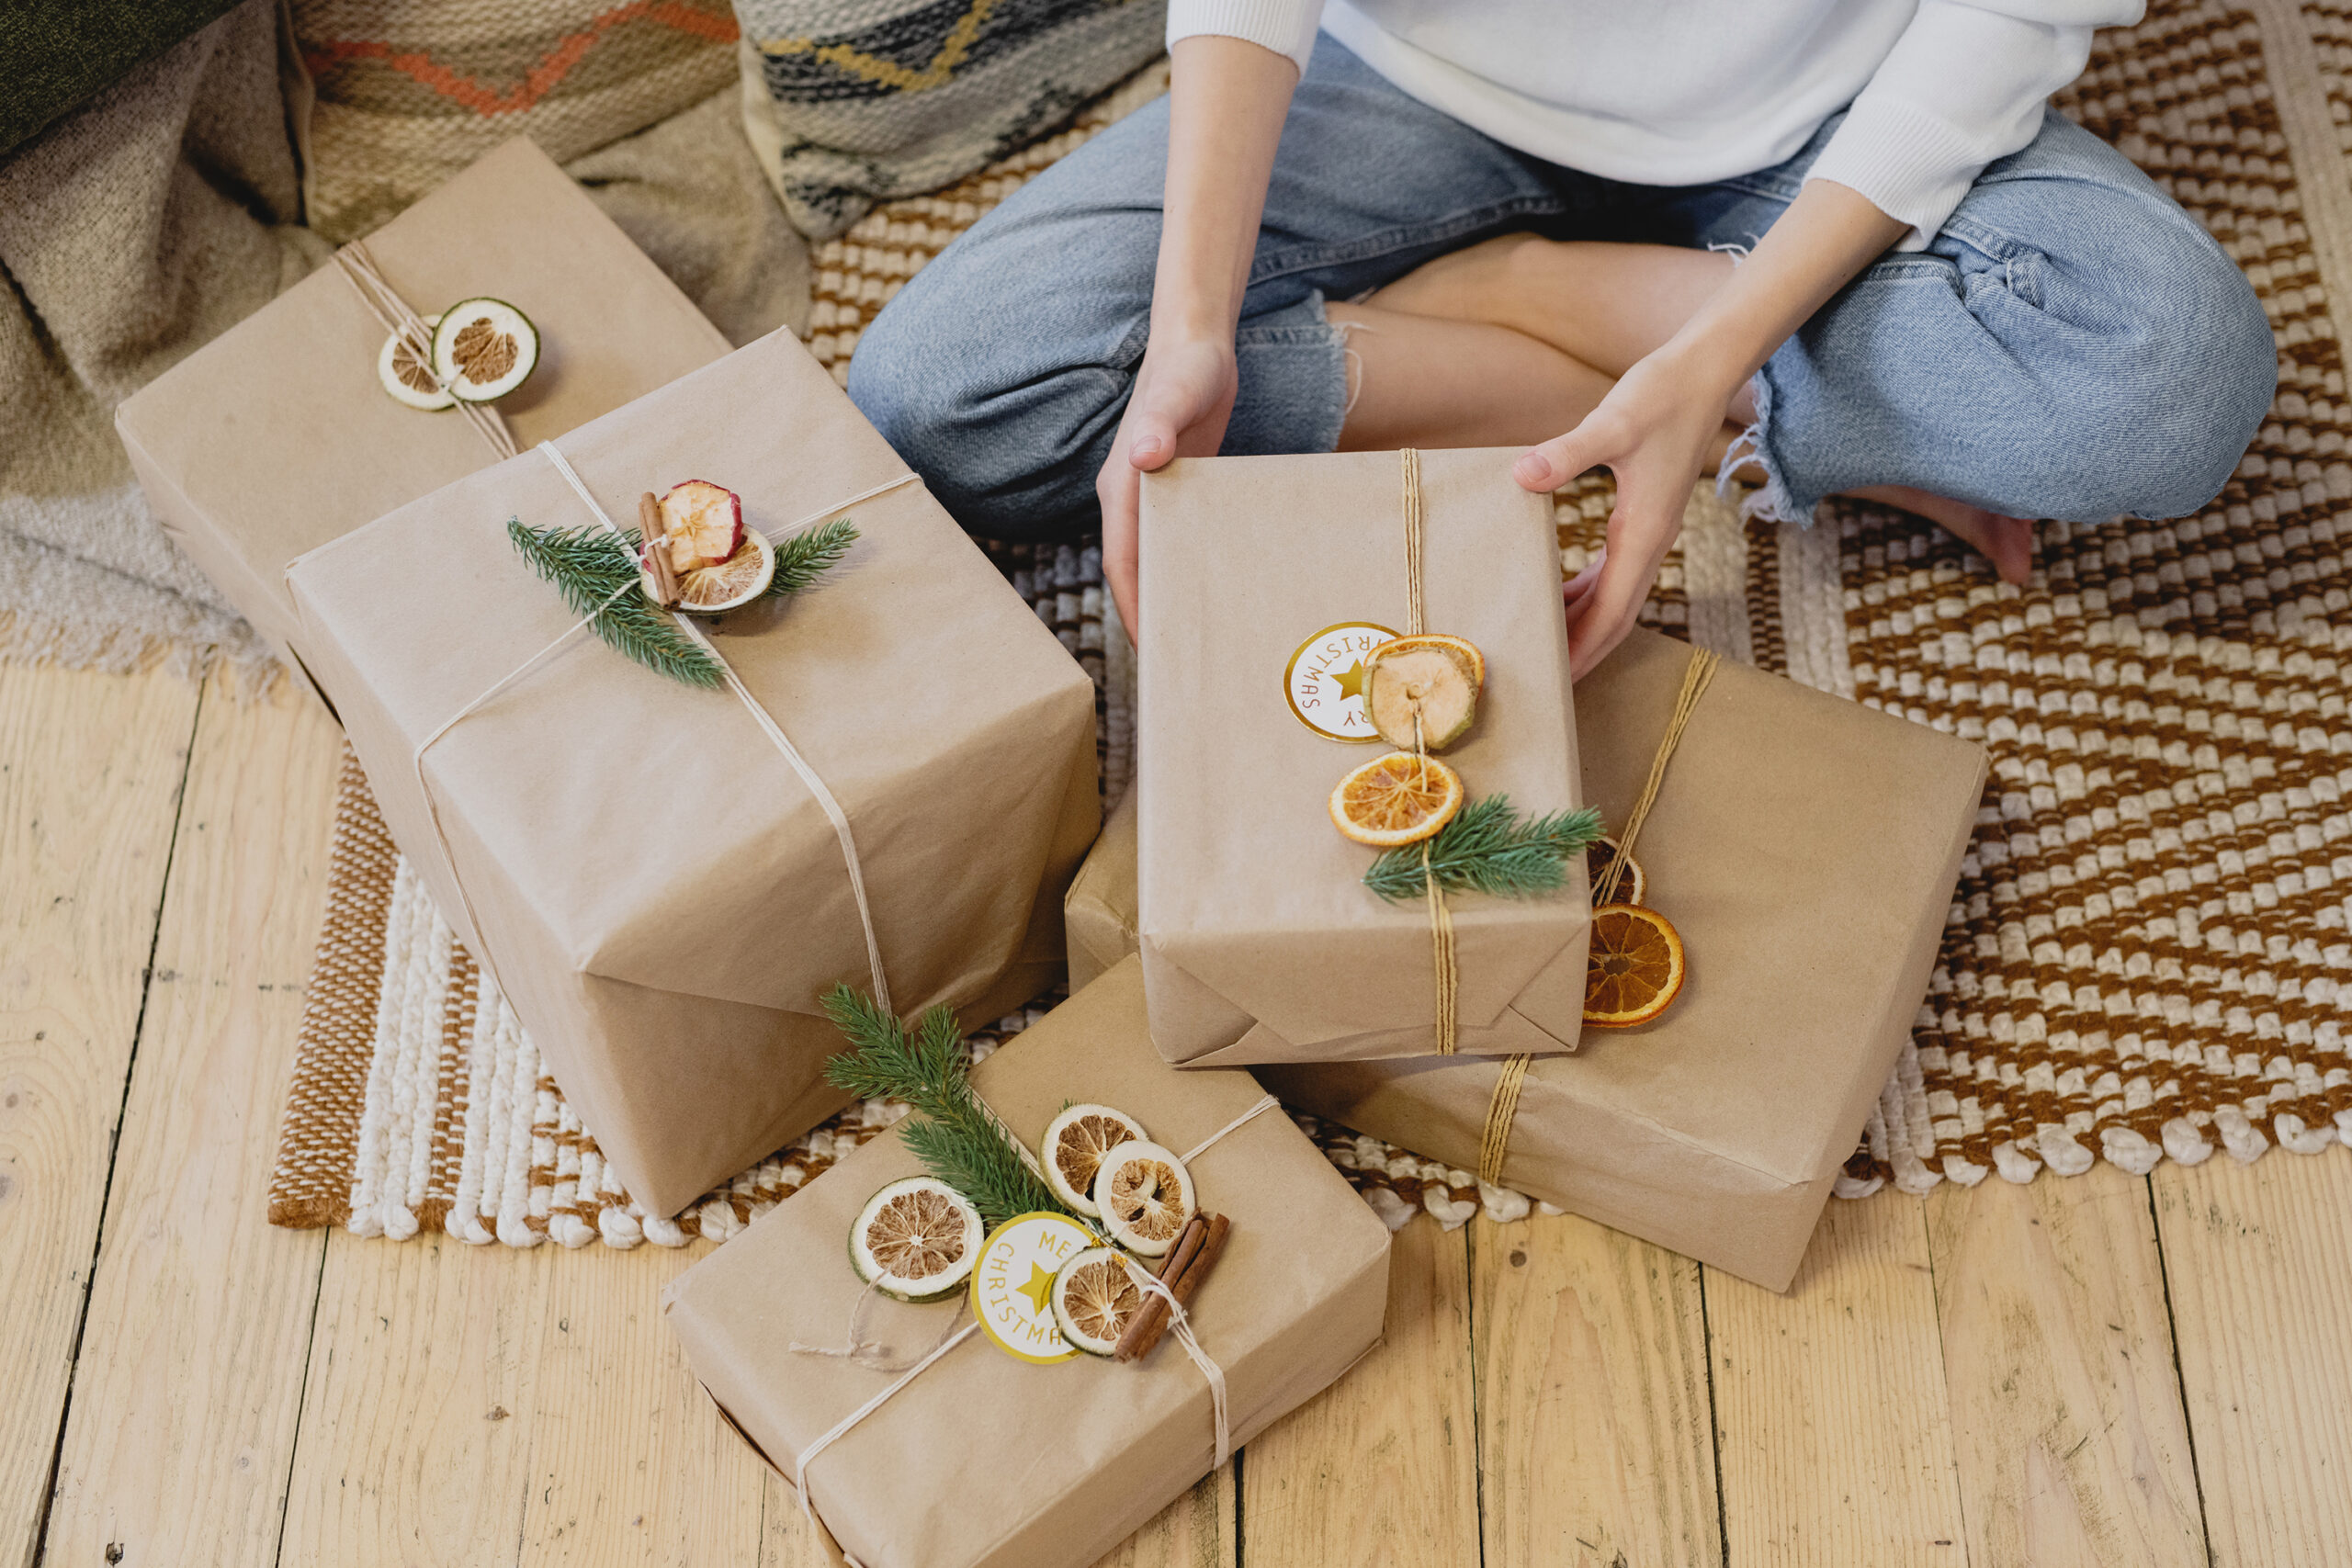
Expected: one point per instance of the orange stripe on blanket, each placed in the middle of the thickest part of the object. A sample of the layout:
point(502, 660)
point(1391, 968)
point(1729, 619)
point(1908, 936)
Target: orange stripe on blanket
point(486, 99)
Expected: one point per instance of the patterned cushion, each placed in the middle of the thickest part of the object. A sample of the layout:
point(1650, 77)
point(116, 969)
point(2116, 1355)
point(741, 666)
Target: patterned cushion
point(870, 100)
point(409, 91)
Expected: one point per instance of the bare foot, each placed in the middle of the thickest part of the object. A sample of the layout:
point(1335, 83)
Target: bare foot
point(2006, 542)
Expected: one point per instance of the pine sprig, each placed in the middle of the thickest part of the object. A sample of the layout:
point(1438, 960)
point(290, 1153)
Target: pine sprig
point(951, 1133)
point(597, 575)
point(809, 554)
point(1486, 849)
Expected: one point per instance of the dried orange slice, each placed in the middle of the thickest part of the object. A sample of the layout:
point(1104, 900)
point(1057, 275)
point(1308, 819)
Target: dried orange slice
point(1634, 969)
point(1631, 883)
point(733, 582)
point(1400, 799)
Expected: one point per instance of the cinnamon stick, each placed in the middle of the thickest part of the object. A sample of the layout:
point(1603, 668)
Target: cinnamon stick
point(657, 554)
point(1154, 1309)
point(1184, 1287)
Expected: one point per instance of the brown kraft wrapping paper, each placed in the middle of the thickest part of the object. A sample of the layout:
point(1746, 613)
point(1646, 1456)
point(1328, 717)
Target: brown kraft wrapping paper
point(1806, 849)
point(661, 897)
point(1259, 941)
point(986, 1461)
point(276, 437)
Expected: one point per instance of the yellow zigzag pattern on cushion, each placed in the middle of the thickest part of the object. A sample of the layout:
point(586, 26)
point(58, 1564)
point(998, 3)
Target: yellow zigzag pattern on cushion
point(890, 72)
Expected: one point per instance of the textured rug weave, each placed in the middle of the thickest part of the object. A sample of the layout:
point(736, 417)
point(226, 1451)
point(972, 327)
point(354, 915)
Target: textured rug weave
point(2148, 955)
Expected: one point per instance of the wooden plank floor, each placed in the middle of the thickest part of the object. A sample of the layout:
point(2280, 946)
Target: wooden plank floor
point(2100, 1370)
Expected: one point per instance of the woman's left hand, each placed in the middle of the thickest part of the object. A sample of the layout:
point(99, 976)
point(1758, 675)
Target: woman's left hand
point(1657, 427)
point(1656, 432)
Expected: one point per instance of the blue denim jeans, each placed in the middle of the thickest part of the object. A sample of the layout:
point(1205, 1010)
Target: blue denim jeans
point(2072, 345)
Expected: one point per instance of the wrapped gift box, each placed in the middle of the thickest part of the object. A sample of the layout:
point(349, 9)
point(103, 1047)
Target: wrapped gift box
point(1806, 849)
point(277, 436)
point(1259, 941)
point(659, 894)
point(986, 1461)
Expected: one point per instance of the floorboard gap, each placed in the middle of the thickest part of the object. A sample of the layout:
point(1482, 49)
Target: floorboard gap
point(2179, 1379)
point(114, 1137)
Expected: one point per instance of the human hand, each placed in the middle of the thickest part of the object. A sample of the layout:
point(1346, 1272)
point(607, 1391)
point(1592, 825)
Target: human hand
point(1655, 431)
point(1183, 394)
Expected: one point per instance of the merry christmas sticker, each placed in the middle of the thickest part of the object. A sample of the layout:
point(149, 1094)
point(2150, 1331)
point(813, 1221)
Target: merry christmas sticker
point(1013, 1289)
point(1324, 681)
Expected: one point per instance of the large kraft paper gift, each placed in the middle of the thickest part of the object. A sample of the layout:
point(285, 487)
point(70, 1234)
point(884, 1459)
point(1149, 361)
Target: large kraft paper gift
point(1805, 847)
point(277, 436)
point(1259, 941)
point(659, 891)
point(982, 1461)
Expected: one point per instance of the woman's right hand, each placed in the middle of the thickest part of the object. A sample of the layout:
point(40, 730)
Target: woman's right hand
point(1183, 394)
point(1227, 100)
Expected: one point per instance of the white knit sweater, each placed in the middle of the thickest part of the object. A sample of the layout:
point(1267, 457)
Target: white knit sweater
point(1686, 91)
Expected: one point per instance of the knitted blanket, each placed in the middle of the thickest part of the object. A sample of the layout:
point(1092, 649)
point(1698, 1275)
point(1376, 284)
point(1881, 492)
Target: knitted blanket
point(168, 208)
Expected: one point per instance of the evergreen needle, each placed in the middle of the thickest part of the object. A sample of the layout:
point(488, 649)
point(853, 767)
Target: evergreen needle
point(597, 574)
point(808, 555)
point(1486, 849)
point(956, 1137)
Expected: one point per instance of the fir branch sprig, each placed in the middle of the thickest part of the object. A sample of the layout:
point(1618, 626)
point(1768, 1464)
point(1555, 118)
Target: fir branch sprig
point(950, 1132)
point(1486, 849)
point(597, 574)
point(809, 554)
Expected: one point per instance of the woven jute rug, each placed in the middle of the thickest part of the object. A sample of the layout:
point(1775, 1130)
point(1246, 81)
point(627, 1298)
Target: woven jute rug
point(2147, 957)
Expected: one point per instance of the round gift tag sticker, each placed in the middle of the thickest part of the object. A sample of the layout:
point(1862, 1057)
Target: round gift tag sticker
point(1012, 1290)
point(1324, 681)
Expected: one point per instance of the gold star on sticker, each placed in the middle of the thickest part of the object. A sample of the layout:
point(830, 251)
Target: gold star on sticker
point(1350, 681)
point(1040, 1287)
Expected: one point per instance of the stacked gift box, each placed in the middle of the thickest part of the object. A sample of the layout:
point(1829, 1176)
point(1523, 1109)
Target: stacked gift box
point(682, 871)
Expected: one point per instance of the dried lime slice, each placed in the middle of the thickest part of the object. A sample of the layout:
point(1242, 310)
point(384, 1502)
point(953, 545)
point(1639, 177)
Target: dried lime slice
point(406, 377)
point(917, 1239)
point(1073, 1148)
point(483, 349)
point(1145, 1195)
point(1094, 1300)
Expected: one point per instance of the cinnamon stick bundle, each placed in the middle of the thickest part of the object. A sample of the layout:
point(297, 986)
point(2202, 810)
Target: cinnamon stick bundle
point(656, 552)
point(1197, 1248)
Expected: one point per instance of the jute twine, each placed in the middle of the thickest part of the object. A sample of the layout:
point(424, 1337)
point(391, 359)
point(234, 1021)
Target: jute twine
point(1495, 1141)
point(1449, 976)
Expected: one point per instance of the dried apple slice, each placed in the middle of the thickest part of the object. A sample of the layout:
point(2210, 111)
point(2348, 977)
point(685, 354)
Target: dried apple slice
point(406, 377)
point(483, 349)
point(1435, 678)
point(702, 523)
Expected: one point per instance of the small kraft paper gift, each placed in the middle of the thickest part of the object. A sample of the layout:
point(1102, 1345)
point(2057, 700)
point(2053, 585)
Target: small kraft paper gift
point(1359, 823)
point(303, 422)
point(1804, 849)
point(666, 835)
point(996, 1423)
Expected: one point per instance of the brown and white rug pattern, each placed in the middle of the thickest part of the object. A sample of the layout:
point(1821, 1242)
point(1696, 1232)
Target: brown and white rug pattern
point(2148, 956)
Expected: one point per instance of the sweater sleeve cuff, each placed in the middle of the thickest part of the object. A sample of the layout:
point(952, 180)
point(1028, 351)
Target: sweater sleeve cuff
point(1910, 165)
point(1286, 27)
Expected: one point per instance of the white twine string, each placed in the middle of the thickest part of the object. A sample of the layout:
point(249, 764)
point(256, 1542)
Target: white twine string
point(1179, 1322)
point(824, 796)
point(359, 266)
